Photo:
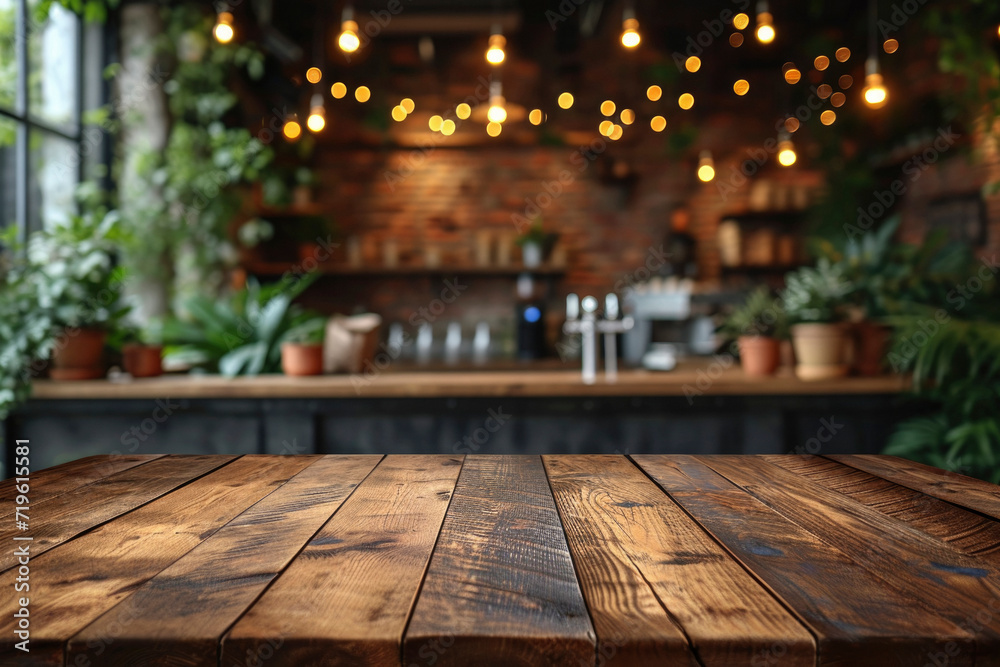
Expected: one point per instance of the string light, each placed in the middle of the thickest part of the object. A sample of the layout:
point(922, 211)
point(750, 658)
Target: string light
point(314, 75)
point(741, 87)
point(536, 117)
point(824, 91)
point(685, 101)
point(874, 93)
point(765, 23)
point(630, 29)
point(890, 45)
point(398, 114)
point(845, 81)
point(741, 21)
point(692, 64)
point(843, 54)
point(706, 167)
point(791, 72)
point(606, 127)
point(497, 113)
point(658, 123)
point(435, 123)
point(317, 114)
point(408, 105)
point(338, 90)
point(616, 133)
point(736, 40)
point(792, 124)
point(362, 94)
point(494, 129)
point(463, 111)
point(627, 116)
point(448, 127)
point(786, 150)
point(495, 53)
point(224, 30)
point(607, 107)
point(565, 100)
point(821, 63)
point(653, 93)
point(348, 41)
point(838, 99)
point(828, 117)
point(291, 129)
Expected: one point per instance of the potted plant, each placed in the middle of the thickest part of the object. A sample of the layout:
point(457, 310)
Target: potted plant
point(302, 348)
point(312, 233)
point(141, 350)
point(240, 336)
point(758, 327)
point(815, 302)
point(250, 235)
point(534, 242)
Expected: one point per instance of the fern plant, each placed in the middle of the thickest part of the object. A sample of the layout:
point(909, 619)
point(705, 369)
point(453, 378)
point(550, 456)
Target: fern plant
point(760, 315)
point(817, 294)
point(957, 366)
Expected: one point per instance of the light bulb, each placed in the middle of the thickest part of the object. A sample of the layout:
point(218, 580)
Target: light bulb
point(317, 114)
point(224, 31)
point(495, 53)
point(565, 100)
point(435, 123)
point(398, 114)
point(706, 167)
point(292, 130)
point(448, 127)
point(765, 23)
point(786, 151)
point(348, 41)
point(630, 30)
point(496, 113)
point(463, 111)
point(875, 93)
point(536, 117)
point(314, 75)
point(494, 129)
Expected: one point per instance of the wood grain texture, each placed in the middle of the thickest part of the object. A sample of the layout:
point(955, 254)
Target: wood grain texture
point(500, 588)
point(51, 482)
point(942, 579)
point(845, 606)
point(79, 581)
point(346, 598)
point(964, 530)
point(75, 512)
point(964, 491)
point(647, 570)
point(179, 616)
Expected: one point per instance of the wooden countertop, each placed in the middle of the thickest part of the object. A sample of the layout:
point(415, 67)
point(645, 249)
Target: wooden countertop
point(690, 379)
point(503, 560)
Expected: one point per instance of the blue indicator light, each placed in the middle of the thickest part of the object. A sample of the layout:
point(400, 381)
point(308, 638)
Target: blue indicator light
point(532, 314)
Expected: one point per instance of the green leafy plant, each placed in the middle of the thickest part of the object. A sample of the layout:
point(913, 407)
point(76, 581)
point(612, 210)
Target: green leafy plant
point(817, 294)
point(241, 336)
point(310, 332)
point(66, 278)
point(534, 234)
point(760, 315)
point(958, 369)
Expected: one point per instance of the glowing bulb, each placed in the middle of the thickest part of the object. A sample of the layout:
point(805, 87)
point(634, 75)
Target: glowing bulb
point(786, 152)
point(607, 107)
point(448, 127)
point(605, 127)
point(658, 123)
point(692, 64)
point(706, 167)
point(765, 24)
point(496, 112)
point(338, 90)
point(630, 33)
point(843, 54)
point(875, 93)
point(348, 40)
point(741, 21)
point(565, 100)
point(536, 117)
point(685, 101)
point(398, 114)
point(292, 130)
point(313, 75)
point(828, 117)
point(463, 111)
point(838, 99)
point(736, 40)
point(821, 63)
point(224, 31)
point(435, 123)
point(654, 93)
point(616, 133)
point(494, 129)
point(890, 45)
point(824, 91)
point(627, 116)
point(495, 53)
point(407, 104)
point(741, 87)
point(792, 124)
point(317, 115)
point(362, 94)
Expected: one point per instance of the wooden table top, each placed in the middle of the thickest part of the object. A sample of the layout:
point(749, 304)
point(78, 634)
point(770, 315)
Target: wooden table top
point(505, 560)
point(689, 379)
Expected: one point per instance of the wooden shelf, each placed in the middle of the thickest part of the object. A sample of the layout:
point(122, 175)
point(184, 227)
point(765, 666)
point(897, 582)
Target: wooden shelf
point(280, 268)
point(761, 268)
point(783, 216)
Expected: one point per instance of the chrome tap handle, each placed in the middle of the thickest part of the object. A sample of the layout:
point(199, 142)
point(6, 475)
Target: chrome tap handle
point(589, 304)
point(572, 306)
point(611, 306)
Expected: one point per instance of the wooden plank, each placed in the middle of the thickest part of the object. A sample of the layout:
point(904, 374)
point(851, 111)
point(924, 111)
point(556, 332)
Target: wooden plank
point(975, 494)
point(500, 588)
point(179, 616)
point(77, 582)
point(851, 612)
point(954, 586)
point(647, 568)
point(968, 532)
point(75, 512)
point(359, 574)
point(51, 482)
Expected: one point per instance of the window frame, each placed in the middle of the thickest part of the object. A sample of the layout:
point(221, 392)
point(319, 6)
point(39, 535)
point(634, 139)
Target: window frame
point(26, 123)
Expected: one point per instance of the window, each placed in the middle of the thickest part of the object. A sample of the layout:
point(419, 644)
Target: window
point(41, 102)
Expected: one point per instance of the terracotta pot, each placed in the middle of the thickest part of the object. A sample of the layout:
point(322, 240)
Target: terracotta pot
point(79, 349)
point(870, 343)
point(142, 361)
point(302, 358)
point(820, 350)
point(759, 355)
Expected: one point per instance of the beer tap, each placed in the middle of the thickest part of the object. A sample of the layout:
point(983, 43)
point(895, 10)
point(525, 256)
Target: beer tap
point(588, 326)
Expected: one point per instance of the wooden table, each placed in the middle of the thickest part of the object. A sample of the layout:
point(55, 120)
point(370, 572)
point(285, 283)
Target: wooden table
point(516, 560)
